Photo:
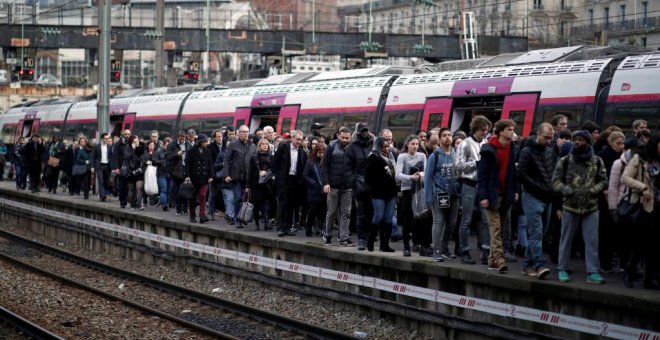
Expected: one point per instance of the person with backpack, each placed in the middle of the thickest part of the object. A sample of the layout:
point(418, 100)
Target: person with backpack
point(580, 177)
point(442, 194)
point(357, 152)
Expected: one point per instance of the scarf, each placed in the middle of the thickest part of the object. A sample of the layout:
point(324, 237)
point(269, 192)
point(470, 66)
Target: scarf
point(582, 156)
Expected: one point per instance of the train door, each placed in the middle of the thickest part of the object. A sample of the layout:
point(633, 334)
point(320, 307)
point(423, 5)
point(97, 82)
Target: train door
point(520, 108)
point(121, 122)
point(436, 113)
point(264, 116)
point(242, 116)
point(287, 119)
point(26, 128)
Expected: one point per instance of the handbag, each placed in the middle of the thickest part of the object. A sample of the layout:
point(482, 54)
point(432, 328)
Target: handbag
point(443, 200)
point(151, 180)
point(53, 161)
point(246, 214)
point(627, 212)
point(79, 169)
point(186, 191)
point(419, 207)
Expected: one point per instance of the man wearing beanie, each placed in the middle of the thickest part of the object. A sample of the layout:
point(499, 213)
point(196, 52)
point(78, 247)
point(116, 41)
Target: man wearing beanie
point(580, 177)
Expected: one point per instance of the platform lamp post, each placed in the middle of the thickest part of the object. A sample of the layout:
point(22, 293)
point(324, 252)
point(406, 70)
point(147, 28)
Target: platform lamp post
point(423, 47)
point(369, 47)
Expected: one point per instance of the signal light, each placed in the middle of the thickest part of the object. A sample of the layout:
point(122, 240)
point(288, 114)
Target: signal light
point(190, 77)
point(26, 74)
point(115, 76)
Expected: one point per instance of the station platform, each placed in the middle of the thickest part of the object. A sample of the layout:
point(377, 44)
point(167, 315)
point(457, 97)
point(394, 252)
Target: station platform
point(470, 292)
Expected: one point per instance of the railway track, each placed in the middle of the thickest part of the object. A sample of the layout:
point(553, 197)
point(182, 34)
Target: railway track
point(211, 312)
point(26, 327)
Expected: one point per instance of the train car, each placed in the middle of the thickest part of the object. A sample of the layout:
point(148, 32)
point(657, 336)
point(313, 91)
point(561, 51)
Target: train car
point(610, 90)
point(527, 94)
point(634, 93)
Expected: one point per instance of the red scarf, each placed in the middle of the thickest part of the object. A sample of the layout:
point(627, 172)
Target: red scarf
point(503, 153)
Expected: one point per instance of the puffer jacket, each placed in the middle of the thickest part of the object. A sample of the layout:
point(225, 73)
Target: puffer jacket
point(616, 190)
point(535, 165)
point(467, 159)
point(580, 182)
point(636, 177)
point(336, 169)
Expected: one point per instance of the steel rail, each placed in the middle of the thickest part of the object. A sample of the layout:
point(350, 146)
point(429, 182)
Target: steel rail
point(307, 329)
point(28, 327)
point(149, 310)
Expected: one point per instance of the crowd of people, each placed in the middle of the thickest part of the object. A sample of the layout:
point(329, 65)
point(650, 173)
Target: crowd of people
point(522, 198)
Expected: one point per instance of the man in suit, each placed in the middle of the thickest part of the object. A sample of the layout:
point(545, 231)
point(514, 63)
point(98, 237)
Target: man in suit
point(101, 156)
point(288, 165)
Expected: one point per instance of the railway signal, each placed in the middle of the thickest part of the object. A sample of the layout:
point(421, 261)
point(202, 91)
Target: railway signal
point(26, 74)
point(115, 76)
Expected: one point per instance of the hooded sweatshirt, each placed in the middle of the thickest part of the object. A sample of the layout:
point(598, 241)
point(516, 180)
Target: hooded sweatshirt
point(440, 174)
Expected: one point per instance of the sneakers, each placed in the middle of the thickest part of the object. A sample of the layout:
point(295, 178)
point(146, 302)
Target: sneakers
point(562, 275)
point(501, 268)
point(362, 244)
point(542, 272)
point(327, 241)
point(529, 271)
point(437, 257)
point(447, 255)
point(426, 252)
point(466, 258)
point(595, 278)
point(509, 257)
point(406, 253)
point(346, 243)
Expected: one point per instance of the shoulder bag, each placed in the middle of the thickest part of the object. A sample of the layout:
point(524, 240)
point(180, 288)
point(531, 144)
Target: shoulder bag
point(246, 214)
point(419, 207)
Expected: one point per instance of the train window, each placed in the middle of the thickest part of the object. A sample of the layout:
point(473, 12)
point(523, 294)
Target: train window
point(164, 128)
point(286, 125)
point(352, 121)
point(71, 130)
point(401, 119)
point(435, 120)
point(190, 124)
point(302, 123)
point(329, 122)
point(519, 118)
point(143, 128)
point(624, 117)
point(575, 114)
point(46, 131)
point(8, 133)
point(88, 130)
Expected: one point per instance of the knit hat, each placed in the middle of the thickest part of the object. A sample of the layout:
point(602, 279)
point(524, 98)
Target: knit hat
point(202, 138)
point(582, 133)
point(378, 144)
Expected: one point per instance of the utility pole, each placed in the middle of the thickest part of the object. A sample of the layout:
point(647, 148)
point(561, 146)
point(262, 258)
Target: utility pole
point(103, 102)
point(207, 58)
point(159, 65)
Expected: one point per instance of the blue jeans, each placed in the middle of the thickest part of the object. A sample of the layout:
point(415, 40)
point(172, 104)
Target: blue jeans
point(21, 176)
point(228, 197)
point(383, 210)
point(569, 225)
point(537, 214)
point(468, 204)
point(173, 196)
point(162, 189)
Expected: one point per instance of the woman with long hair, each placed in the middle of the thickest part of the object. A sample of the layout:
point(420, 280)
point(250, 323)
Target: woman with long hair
point(410, 172)
point(259, 183)
point(379, 174)
point(642, 179)
point(315, 195)
point(151, 156)
point(135, 167)
point(83, 159)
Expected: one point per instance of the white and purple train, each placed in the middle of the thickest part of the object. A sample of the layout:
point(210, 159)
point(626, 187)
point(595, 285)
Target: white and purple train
point(609, 90)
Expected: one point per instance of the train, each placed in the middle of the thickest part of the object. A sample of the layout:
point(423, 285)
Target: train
point(529, 88)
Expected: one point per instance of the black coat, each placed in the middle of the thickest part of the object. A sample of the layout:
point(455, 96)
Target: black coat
point(156, 160)
point(259, 162)
point(199, 167)
point(32, 154)
point(97, 156)
point(336, 169)
point(282, 163)
point(237, 159)
point(119, 151)
point(312, 178)
point(381, 184)
point(175, 161)
point(536, 164)
point(134, 163)
point(67, 160)
point(357, 153)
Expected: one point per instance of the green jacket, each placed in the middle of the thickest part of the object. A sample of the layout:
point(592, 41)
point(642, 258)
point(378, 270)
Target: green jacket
point(580, 183)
